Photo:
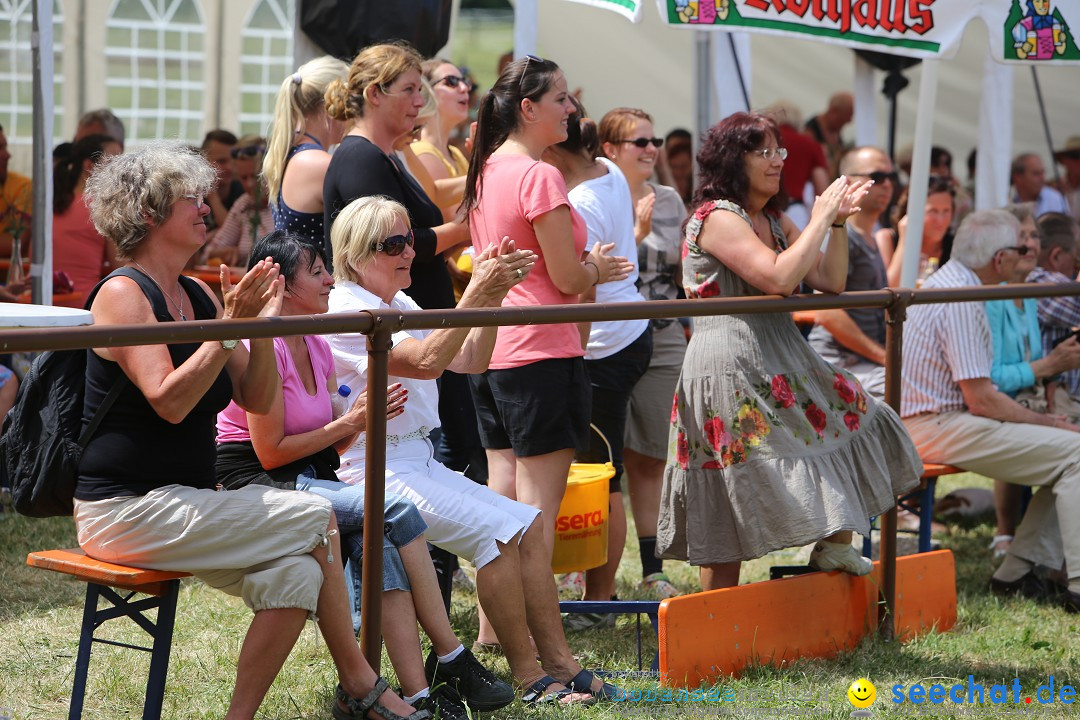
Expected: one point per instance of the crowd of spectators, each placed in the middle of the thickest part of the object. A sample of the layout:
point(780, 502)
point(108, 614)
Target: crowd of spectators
point(363, 184)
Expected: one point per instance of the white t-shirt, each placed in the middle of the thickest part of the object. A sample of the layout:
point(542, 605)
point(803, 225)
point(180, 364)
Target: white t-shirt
point(608, 209)
point(351, 363)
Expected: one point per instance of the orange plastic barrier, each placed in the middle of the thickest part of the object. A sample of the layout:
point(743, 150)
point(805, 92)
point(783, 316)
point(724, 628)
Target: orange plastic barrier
point(708, 635)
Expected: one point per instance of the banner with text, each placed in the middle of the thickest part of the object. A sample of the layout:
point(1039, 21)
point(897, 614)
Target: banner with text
point(1021, 31)
point(630, 9)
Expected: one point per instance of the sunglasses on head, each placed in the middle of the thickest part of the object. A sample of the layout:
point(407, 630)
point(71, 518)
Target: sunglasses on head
point(1021, 250)
point(395, 244)
point(247, 152)
point(524, 70)
point(644, 142)
point(452, 81)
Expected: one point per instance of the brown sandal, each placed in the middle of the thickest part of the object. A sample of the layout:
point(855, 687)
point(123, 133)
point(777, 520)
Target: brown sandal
point(358, 709)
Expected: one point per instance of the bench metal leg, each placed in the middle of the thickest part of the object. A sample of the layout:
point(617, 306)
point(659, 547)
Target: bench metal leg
point(86, 643)
point(160, 631)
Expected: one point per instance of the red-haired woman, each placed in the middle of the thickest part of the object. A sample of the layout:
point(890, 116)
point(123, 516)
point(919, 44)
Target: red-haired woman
point(773, 447)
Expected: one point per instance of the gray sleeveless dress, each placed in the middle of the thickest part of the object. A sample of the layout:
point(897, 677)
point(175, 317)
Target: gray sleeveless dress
point(770, 446)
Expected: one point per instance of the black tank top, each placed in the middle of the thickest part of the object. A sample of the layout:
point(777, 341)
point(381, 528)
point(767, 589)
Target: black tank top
point(135, 450)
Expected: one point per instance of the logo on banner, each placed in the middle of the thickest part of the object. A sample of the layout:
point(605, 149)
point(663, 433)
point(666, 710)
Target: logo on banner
point(1035, 30)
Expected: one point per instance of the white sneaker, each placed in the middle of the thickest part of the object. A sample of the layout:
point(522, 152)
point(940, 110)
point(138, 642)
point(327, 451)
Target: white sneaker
point(839, 556)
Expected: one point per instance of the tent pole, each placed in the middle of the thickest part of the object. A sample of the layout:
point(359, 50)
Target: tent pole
point(41, 46)
point(920, 171)
point(526, 19)
point(1045, 122)
point(703, 83)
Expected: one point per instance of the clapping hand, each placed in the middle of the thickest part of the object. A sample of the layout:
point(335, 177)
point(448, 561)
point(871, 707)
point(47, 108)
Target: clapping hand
point(609, 268)
point(499, 268)
point(258, 294)
point(643, 217)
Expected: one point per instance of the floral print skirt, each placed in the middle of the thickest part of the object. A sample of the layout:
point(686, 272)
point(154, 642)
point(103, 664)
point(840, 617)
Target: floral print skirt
point(772, 447)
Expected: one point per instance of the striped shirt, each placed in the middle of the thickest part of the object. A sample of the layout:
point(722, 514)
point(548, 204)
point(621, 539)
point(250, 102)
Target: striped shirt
point(943, 344)
point(1057, 317)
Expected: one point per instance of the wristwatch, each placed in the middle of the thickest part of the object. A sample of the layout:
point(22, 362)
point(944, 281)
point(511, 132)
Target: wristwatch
point(229, 344)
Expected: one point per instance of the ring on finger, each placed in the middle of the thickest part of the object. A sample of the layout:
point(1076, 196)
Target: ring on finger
point(520, 274)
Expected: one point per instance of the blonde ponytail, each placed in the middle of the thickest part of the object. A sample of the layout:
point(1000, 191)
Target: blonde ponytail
point(300, 96)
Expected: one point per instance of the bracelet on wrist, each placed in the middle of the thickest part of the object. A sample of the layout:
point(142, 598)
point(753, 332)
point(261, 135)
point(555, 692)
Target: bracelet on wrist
point(597, 269)
point(840, 225)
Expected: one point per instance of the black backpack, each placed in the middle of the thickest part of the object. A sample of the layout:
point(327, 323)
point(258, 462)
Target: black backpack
point(43, 436)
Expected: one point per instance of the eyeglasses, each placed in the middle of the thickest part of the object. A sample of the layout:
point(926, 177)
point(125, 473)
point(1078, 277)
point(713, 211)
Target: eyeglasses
point(248, 151)
point(197, 199)
point(879, 176)
point(767, 153)
point(524, 70)
point(644, 142)
point(452, 81)
point(395, 244)
point(1021, 250)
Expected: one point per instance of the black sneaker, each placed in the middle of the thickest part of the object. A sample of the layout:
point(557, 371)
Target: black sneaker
point(472, 682)
point(443, 704)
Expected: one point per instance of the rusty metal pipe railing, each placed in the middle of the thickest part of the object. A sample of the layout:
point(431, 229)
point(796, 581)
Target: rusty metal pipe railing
point(380, 324)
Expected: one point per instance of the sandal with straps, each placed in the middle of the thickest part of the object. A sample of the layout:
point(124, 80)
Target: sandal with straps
point(536, 694)
point(357, 709)
point(582, 683)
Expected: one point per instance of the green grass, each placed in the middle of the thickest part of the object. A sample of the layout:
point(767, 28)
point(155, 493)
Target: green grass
point(994, 640)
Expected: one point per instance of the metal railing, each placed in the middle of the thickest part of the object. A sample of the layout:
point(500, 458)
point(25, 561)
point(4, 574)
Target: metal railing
point(379, 326)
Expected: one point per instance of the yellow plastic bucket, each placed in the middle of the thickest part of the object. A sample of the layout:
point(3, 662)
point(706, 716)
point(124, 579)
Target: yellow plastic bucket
point(581, 527)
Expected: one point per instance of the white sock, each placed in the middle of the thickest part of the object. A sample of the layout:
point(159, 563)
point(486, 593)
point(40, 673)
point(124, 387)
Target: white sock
point(413, 698)
point(452, 655)
point(1074, 585)
point(1012, 569)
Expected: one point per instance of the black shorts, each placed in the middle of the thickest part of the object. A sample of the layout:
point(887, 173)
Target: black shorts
point(534, 409)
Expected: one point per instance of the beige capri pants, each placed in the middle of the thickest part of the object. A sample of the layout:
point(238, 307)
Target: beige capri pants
point(254, 543)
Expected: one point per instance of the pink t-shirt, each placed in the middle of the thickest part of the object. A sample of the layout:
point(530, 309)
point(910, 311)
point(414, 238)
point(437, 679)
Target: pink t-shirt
point(78, 249)
point(516, 191)
point(303, 412)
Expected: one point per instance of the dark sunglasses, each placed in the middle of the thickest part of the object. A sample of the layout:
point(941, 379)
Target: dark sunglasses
point(452, 81)
point(524, 70)
point(1070, 154)
point(1021, 250)
point(395, 244)
point(247, 152)
point(880, 176)
point(644, 142)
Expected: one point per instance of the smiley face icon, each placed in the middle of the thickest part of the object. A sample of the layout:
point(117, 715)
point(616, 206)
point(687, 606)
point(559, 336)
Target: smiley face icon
point(862, 693)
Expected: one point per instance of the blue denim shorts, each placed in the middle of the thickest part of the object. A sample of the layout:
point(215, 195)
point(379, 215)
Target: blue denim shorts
point(403, 524)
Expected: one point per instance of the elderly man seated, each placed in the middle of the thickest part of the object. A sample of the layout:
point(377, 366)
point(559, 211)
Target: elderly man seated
point(956, 415)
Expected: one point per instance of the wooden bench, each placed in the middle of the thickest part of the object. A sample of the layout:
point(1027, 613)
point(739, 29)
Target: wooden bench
point(621, 607)
point(101, 578)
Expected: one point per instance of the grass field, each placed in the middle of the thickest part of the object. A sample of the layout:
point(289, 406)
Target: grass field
point(994, 641)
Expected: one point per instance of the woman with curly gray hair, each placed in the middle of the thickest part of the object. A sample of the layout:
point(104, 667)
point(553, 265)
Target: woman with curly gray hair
point(151, 204)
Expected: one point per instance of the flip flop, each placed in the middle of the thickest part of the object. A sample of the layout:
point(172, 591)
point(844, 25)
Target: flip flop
point(535, 693)
point(582, 683)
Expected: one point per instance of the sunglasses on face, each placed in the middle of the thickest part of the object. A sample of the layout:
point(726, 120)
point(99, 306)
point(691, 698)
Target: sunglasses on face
point(452, 81)
point(880, 176)
point(197, 199)
point(395, 244)
point(769, 153)
point(1021, 250)
point(644, 142)
point(247, 152)
point(525, 70)
point(1070, 155)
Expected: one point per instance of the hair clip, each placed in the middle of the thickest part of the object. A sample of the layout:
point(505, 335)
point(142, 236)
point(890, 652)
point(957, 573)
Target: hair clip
point(297, 79)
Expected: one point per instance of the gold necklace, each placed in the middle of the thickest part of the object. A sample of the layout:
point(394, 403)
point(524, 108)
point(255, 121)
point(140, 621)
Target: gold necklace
point(179, 306)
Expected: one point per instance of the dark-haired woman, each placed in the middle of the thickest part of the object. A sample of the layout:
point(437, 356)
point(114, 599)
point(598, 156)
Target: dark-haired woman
point(534, 402)
point(618, 351)
point(937, 235)
point(772, 446)
point(78, 249)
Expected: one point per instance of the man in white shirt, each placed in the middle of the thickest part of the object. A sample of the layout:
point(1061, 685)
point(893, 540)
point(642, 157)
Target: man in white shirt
point(956, 416)
point(1029, 183)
